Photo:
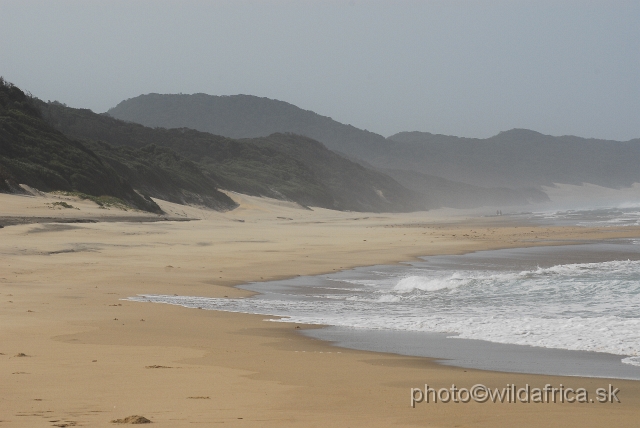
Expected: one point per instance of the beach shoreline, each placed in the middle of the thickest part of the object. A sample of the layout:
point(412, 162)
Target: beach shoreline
point(91, 358)
point(530, 357)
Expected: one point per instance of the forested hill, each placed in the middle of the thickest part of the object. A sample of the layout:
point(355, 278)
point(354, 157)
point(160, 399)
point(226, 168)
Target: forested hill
point(33, 152)
point(514, 159)
point(246, 116)
point(519, 157)
point(284, 166)
point(50, 146)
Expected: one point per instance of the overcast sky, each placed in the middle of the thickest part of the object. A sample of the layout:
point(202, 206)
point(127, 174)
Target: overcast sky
point(458, 68)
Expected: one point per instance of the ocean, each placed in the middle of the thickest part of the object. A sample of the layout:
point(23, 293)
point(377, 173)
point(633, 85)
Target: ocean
point(568, 310)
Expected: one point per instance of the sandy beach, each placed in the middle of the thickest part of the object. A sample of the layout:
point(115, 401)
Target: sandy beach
point(72, 353)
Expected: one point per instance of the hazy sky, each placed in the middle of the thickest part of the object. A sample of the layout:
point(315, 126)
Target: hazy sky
point(450, 67)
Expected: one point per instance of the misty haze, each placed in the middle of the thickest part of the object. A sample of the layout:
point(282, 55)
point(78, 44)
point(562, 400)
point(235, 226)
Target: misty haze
point(339, 204)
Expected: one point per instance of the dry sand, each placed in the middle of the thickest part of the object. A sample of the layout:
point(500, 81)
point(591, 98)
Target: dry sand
point(90, 358)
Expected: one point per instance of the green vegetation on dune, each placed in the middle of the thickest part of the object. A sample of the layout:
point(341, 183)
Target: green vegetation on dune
point(101, 201)
point(353, 186)
point(62, 205)
point(34, 153)
point(152, 169)
point(234, 165)
point(281, 166)
point(161, 173)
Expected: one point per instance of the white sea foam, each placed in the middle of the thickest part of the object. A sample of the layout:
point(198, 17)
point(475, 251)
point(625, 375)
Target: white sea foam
point(634, 361)
point(411, 283)
point(388, 298)
point(584, 306)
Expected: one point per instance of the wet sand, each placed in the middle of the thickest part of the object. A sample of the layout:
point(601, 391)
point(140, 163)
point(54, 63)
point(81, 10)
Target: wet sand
point(469, 353)
point(89, 357)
